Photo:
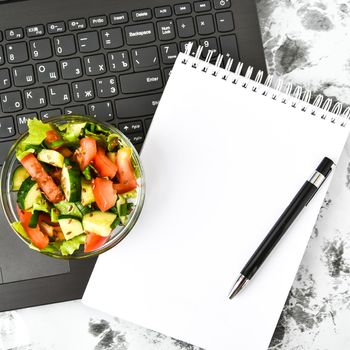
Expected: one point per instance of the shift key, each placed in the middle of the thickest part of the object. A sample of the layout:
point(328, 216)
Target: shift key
point(137, 106)
point(141, 82)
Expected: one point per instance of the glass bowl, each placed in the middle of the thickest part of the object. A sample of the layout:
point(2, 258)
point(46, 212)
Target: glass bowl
point(8, 197)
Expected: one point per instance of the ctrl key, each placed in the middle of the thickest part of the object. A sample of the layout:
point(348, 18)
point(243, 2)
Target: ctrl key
point(7, 128)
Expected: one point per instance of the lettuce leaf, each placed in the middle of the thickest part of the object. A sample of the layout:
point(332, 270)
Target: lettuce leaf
point(37, 131)
point(17, 226)
point(70, 246)
point(37, 134)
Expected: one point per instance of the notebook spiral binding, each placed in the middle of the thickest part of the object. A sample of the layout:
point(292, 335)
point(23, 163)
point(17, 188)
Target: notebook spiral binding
point(278, 90)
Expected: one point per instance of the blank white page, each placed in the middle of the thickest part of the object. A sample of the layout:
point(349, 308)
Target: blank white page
point(222, 162)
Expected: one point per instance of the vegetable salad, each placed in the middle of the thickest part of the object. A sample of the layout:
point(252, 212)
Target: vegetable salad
point(76, 183)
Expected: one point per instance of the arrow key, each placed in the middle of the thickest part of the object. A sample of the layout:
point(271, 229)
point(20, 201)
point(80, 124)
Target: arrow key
point(132, 127)
point(7, 127)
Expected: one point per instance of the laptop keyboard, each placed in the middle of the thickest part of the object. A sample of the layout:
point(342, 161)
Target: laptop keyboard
point(112, 67)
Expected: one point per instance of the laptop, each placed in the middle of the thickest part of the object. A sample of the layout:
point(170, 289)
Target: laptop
point(109, 59)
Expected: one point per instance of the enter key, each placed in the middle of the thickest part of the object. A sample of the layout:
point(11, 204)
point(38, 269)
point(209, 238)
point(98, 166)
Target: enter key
point(141, 82)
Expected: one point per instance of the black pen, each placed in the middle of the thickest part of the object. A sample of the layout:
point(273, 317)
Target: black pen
point(301, 199)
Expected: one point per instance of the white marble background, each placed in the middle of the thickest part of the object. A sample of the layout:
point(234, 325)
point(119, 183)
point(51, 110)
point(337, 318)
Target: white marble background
point(308, 43)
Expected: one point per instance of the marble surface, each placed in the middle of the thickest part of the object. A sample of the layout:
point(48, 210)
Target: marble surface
point(308, 43)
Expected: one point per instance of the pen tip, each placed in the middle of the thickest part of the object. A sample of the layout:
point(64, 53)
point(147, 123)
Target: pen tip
point(237, 287)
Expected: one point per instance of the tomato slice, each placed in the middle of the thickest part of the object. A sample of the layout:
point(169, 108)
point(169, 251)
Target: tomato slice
point(86, 152)
point(123, 188)
point(36, 236)
point(104, 166)
point(44, 180)
point(104, 193)
point(65, 151)
point(94, 241)
point(53, 139)
point(125, 173)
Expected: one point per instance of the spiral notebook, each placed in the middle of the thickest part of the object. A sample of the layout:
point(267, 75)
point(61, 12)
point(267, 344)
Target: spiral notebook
point(224, 156)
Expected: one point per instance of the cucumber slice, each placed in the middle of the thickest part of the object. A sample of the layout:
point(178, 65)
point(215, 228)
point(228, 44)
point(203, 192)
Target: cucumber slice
point(68, 208)
point(99, 222)
point(71, 182)
point(70, 227)
point(19, 175)
point(87, 196)
point(121, 206)
point(51, 157)
point(28, 194)
point(83, 210)
point(54, 213)
point(34, 219)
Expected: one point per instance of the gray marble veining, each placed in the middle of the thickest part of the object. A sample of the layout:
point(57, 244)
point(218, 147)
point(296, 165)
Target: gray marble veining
point(306, 42)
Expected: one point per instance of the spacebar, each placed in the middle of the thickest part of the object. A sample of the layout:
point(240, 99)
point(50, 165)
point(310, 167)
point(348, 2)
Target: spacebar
point(141, 82)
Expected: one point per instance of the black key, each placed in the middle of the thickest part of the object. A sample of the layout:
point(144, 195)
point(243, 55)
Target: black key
point(184, 44)
point(102, 111)
point(7, 128)
point(166, 30)
point(77, 24)
point(140, 34)
point(136, 138)
point(65, 45)
point(40, 49)
point(95, 65)
point(169, 53)
point(57, 27)
point(229, 48)
point(76, 110)
point(137, 106)
point(11, 101)
point(221, 4)
point(224, 21)
point(88, 42)
point(98, 21)
point(119, 18)
point(23, 76)
point(5, 147)
point(112, 38)
point(145, 58)
point(205, 24)
point(209, 44)
point(47, 72)
point(167, 72)
point(131, 127)
point(71, 68)
point(59, 94)
point(106, 87)
point(5, 81)
point(185, 27)
point(22, 120)
point(14, 34)
point(141, 15)
point(17, 52)
point(141, 82)
point(2, 60)
point(118, 61)
point(202, 6)
point(182, 9)
point(34, 31)
point(83, 91)
point(161, 12)
point(148, 124)
point(35, 98)
point(49, 114)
